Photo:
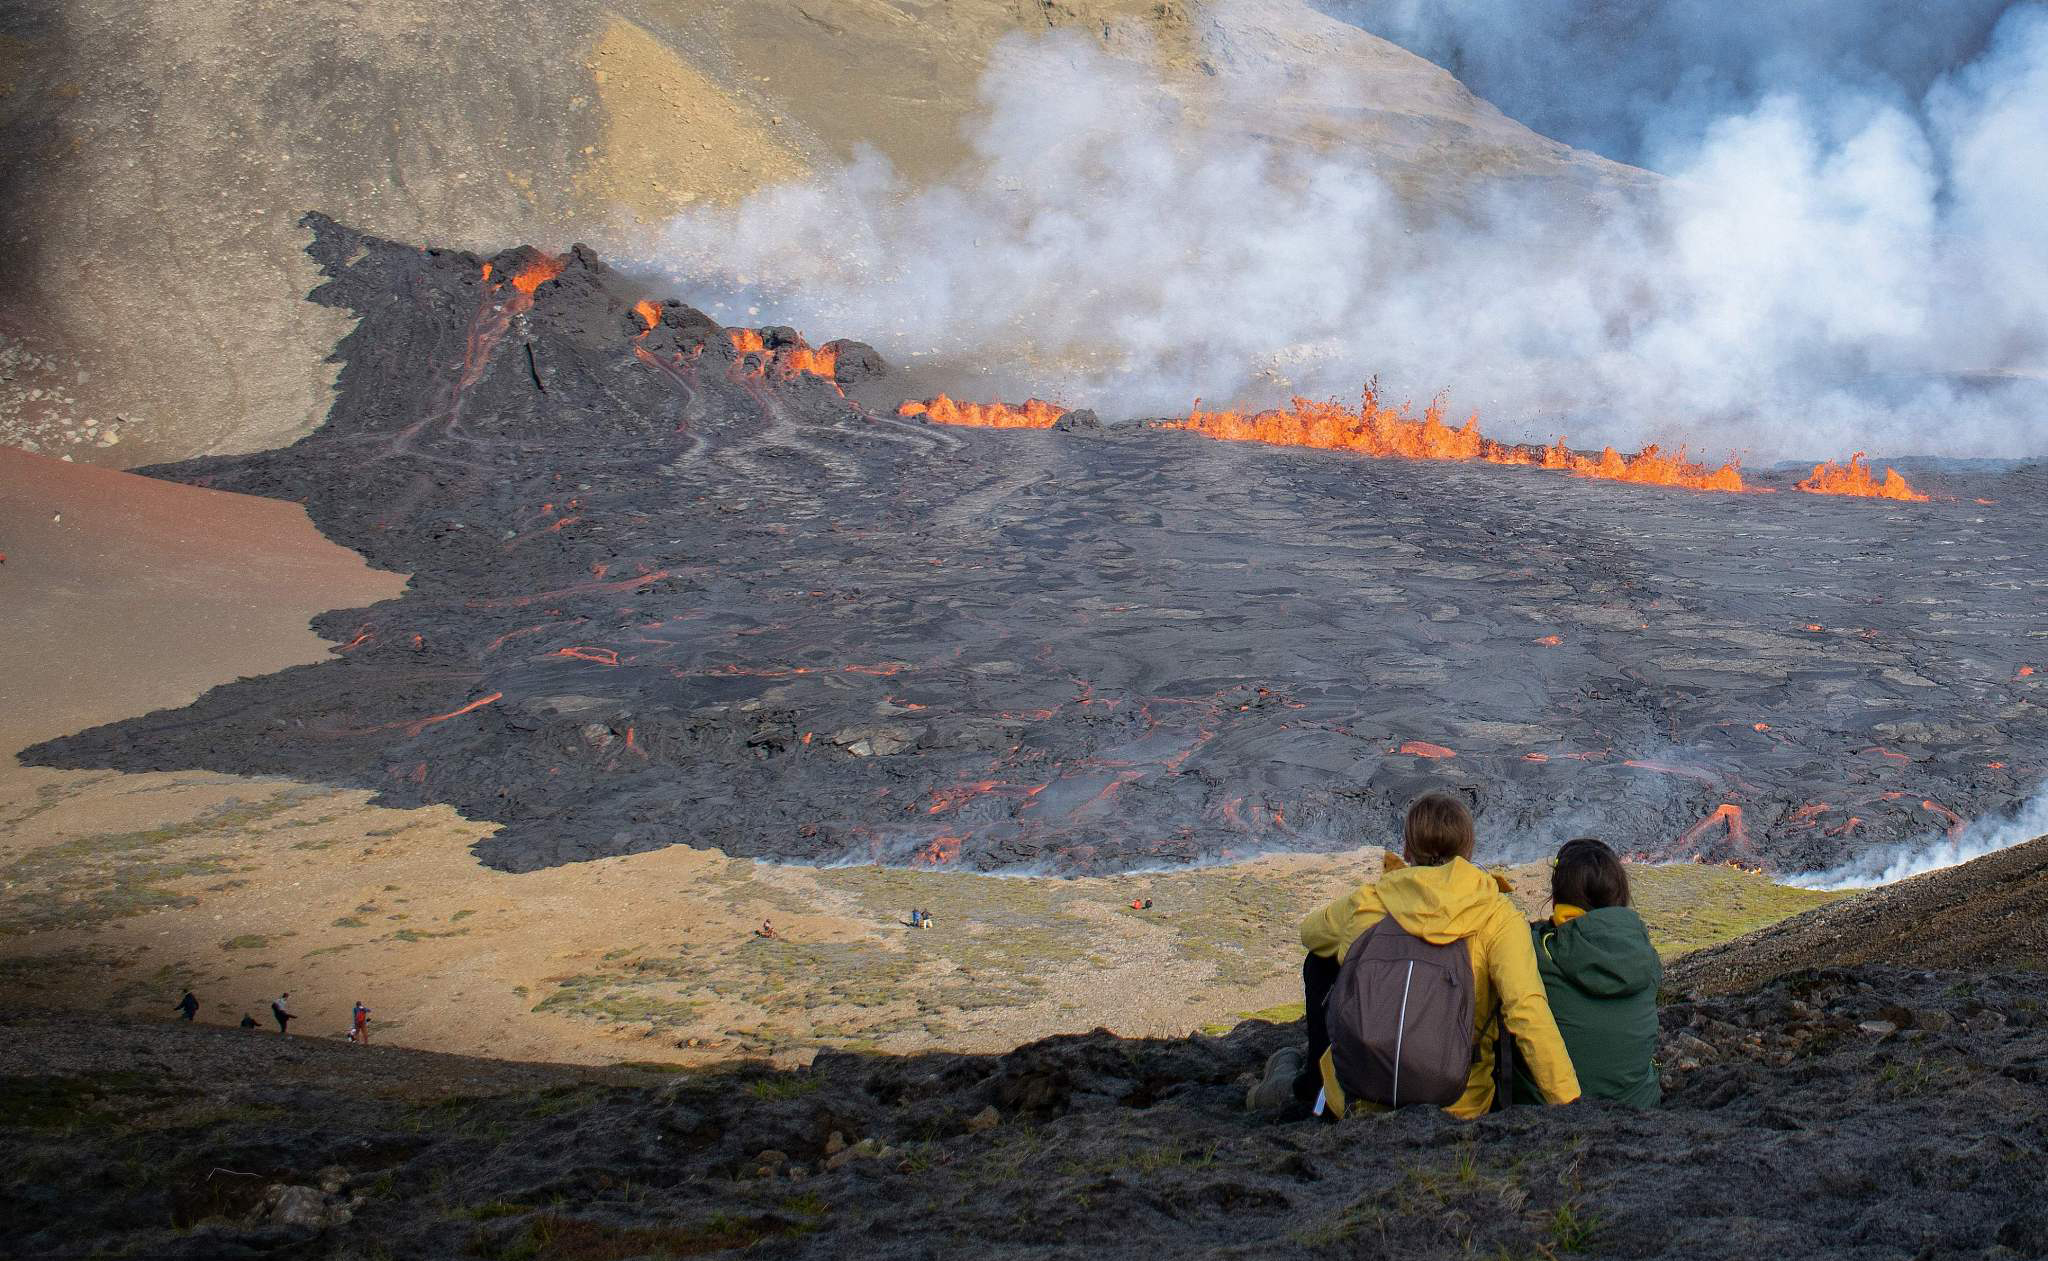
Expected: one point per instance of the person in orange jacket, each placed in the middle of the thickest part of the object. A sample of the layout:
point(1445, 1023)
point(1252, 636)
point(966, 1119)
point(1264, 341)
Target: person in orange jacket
point(1435, 893)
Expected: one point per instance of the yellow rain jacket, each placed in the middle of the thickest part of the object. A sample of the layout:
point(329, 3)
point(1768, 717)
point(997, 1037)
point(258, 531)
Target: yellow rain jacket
point(1441, 905)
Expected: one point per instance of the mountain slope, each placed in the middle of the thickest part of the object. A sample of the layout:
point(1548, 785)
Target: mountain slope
point(1988, 914)
point(158, 154)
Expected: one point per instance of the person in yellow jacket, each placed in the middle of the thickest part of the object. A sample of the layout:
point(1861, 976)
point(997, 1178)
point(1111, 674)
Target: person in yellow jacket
point(1435, 893)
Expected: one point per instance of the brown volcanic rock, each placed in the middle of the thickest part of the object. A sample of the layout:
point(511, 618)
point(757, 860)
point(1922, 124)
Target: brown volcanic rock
point(1990, 913)
point(156, 155)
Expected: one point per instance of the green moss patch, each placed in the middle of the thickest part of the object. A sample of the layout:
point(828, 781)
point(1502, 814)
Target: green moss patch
point(1689, 906)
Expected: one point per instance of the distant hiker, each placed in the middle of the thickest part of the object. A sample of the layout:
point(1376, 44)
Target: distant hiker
point(926, 921)
point(765, 930)
point(189, 1006)
point(248, 1021)
point(281, 1010)
point(1408, 980)
point(361, 1033)
point(1601, 974)
point(1147, 906)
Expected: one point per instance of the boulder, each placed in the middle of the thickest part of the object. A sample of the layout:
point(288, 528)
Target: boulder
point(854, 362)
point(307, 1208)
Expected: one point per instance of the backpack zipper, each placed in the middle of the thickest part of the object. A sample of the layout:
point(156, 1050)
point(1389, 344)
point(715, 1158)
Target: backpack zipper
point(1401, 1033)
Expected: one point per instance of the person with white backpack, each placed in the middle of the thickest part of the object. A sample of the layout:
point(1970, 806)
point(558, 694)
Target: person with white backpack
point(1409, 981)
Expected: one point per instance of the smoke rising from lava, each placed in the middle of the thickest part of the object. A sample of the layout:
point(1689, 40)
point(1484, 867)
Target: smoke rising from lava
point(1641, 83)
point(1821, 272)
point(1986, 835)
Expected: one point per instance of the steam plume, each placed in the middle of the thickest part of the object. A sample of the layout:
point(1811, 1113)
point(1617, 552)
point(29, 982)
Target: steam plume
point(1829, 268)
point(1984, 836)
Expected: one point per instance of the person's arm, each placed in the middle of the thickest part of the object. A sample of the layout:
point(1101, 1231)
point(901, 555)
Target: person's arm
point(1525, 1009)
point(1322, 933)
point(1331, 930)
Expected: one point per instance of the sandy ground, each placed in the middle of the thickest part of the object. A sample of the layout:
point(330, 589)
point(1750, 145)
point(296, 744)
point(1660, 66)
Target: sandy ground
point(120, 594)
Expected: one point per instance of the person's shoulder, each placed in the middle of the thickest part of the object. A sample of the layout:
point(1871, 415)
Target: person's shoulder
point(1504, 919)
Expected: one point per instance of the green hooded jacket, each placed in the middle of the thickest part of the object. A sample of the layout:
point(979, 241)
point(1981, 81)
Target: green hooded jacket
point(1601, 976)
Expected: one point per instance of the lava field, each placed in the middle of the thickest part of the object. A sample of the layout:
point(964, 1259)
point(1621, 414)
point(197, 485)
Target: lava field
point(673, 584)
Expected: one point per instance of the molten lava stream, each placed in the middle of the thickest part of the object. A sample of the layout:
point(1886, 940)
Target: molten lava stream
point(1395, 432)
point(791, 361)
point(537, 273)
point(1854, 478)
point(1031, 414)
point(1727, 814)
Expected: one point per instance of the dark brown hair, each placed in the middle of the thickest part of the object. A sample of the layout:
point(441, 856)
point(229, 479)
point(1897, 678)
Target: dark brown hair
point(1438, 829)
point(1589, 876)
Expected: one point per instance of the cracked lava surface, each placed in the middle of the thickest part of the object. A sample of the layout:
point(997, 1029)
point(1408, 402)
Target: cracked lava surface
point(673, 586)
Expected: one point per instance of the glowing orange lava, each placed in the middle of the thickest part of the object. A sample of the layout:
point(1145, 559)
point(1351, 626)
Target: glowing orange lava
point(789, 361)
point(415, 727)
point(1954, 820)
point(1649, 467)
point(1423, 748)
point(1378, 430)
point(649, 314)
point(819, 363)
point(537, 273)
point(1727, 813)
point(1854, 478)
point(1032, 414)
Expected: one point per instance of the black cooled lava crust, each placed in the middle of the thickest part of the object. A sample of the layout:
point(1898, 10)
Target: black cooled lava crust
point(666, 595)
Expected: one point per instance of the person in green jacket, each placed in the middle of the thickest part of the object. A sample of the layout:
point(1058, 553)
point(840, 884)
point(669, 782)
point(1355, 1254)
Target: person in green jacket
point(1601, 976)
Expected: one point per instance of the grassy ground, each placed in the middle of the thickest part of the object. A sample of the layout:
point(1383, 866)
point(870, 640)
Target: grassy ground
point(241, 890)
point(1690, 905)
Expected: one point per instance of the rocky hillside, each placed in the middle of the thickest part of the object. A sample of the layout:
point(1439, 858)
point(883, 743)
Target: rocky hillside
point(1867, 1112)
point(1870, 1111)
point(156, 155)
point(1983, 914)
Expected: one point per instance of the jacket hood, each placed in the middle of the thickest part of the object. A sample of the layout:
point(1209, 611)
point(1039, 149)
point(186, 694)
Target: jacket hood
point(1604, 953)
point(1441, 904)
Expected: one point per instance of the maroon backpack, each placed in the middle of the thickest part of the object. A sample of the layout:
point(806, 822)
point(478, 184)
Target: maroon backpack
point(1401, 1018)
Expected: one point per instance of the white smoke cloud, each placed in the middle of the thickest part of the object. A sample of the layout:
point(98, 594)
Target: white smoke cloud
point(1820, 273)
point(1635, 81)
point(1894, 863)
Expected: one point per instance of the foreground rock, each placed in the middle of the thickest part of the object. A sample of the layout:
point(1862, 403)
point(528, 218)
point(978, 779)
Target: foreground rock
point(1868, 1112)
